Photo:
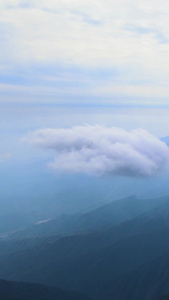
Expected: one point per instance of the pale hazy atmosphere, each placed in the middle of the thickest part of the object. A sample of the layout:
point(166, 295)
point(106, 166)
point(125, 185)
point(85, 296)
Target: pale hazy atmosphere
point(84, 124)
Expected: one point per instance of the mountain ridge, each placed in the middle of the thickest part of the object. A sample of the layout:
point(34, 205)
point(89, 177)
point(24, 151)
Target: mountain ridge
point(91, 262)
point(10, 290)
point(102, 218)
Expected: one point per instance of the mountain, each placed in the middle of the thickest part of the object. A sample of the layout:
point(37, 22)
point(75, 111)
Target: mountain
point(26, 291)
point(46, 195)
point(101, 218)
point(149, 281)
point(16, 221)
point(98, 263)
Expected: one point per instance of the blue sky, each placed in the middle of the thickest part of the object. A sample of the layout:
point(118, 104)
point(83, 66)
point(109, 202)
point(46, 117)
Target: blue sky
point(66, 63)
point(84, 54)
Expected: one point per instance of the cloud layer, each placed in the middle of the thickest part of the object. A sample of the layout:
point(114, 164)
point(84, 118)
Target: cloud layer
point(127, 40)
point(99, 32)
point(103, 150)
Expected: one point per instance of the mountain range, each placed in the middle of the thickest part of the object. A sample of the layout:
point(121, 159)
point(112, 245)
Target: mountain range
point(99, 219)
point(10, 290)
point(125, 258)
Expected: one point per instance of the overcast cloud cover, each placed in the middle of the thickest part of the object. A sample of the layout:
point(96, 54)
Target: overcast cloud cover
point(103, 150)
point(78, 51)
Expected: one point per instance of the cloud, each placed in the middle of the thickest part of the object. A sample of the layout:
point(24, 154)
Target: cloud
point(103, 150)
point(65, 31)
point(131, 38)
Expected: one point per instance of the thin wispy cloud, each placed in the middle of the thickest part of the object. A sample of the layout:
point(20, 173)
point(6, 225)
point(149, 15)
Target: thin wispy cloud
point(103, 150)
point(73, 36)
point(129, 37)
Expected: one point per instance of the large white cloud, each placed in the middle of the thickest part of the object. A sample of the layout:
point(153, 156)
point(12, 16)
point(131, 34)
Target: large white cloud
point(103, 150)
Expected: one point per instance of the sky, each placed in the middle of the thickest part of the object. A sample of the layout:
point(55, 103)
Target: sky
point(88, 64)
point(84, 52)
